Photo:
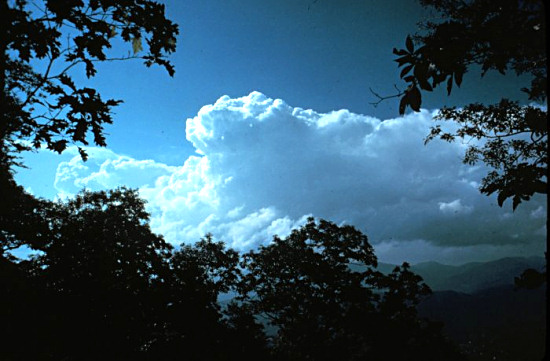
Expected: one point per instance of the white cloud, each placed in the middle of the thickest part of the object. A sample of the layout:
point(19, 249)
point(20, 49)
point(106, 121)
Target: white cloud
point(106, 169)
point(454, 207)
point(262, 166)
point(540, 212)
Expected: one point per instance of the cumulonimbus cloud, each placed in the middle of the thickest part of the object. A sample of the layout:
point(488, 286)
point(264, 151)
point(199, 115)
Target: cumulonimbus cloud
point(261, 167)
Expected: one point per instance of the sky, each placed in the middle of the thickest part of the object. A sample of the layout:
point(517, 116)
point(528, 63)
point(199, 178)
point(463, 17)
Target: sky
point(268, 120)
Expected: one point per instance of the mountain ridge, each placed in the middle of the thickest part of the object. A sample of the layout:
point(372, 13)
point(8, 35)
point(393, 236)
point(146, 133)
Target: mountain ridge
point(471, 277)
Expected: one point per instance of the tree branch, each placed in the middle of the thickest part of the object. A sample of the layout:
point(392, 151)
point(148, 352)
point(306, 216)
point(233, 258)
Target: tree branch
point(44, 80)
point(382, 98)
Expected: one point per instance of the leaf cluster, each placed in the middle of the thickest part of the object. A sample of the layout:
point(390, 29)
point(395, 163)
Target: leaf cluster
point(504, 36)
point(509, 138)
point(42, 44)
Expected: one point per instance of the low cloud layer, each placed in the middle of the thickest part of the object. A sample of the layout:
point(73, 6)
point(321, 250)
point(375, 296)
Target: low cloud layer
point(262, 167)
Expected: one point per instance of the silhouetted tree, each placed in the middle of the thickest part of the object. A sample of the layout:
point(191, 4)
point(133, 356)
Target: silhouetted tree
point(319, 289)
point(510, 138)
point(192, 320)
point(103, 286)
point(22, 216)
point(504, 36)
point(531, 279)
point(100, 272)
point(99, 261)
point(23, 222)
point(41, 45)
point(246, 338)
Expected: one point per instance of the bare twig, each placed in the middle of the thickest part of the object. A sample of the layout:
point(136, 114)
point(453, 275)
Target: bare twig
point(382, 98)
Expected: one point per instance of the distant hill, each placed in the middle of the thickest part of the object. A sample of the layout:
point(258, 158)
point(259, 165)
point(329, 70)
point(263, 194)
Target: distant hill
point(472, 277)
point(499, 323)
point(481, 310)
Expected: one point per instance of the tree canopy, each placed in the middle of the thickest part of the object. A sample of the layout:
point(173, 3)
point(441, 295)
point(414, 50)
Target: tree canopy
point(319, 288)
point(104, 286)
point(503, 36)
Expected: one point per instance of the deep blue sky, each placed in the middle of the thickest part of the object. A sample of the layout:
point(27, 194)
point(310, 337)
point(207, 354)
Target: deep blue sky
point(313, 54)
point(323, 55)
point(318, 54)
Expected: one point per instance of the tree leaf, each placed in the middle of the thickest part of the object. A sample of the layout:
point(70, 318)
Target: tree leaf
point(515, 202)
point(83, 154)
point(420, 70)
point(415, 99)
point(409, 44)
point(403, 105)
point(458, 77)
point(501, 198)
point(58, 146)
point(449, 85)
point(399, 52)
point(136, 44)
point(403, 60)
point(66, 80)
point(425, 85)
point(406, 70)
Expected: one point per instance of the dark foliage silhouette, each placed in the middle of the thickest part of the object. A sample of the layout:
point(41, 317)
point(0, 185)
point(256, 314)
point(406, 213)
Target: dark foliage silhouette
point(43, 43)
point(192, 321)
point(104, 286)
point(462, 36)
point(323, 309)
point(98, 276)
point(99, 262)
point(510, 138)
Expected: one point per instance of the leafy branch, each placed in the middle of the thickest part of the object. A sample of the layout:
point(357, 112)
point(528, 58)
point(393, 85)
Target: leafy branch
point(514, 143)
point(45, 108)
